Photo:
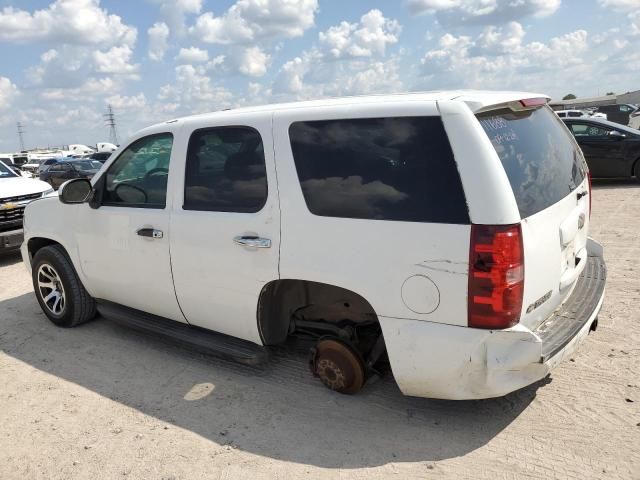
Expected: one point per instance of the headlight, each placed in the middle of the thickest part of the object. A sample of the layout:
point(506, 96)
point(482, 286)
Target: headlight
point(51, 190)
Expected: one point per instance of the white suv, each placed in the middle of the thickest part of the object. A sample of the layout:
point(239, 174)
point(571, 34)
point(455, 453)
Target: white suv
point(442, 233)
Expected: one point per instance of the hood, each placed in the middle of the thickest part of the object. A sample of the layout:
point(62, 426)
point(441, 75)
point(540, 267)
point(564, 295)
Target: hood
point(14, 186)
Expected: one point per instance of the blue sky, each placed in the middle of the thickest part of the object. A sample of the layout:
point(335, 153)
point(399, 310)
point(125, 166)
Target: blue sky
point(63, 61)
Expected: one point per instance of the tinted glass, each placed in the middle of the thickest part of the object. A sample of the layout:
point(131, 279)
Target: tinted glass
point(538, 155)
point(225, 171)
point(6, 171)
point(87, 164)
point(143, 167)
point(588, 130)
point(379, 168)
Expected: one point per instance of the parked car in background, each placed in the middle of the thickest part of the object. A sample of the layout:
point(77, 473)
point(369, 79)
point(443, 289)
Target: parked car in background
point(100, 156)
point(15, 193)
point(44, 166)
point(570, 113)
point(618, 113)
point(447, 229)
point(65, 170)
point(611, 149)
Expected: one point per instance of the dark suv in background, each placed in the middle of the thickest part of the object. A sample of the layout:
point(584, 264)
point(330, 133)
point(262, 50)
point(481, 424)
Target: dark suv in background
point(62, 171)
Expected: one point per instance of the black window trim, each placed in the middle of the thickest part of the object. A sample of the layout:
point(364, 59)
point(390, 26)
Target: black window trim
point(186, 161)
point(324, 119)
point(101, 183)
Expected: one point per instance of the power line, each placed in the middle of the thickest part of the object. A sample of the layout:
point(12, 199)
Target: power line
point(110, 119)
point(21, 135)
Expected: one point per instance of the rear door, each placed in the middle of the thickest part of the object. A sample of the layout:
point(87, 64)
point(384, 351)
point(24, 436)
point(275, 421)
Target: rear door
point(548, 177)
point(225, 226)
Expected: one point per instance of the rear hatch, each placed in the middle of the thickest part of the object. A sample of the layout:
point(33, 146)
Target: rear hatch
point(549, 179)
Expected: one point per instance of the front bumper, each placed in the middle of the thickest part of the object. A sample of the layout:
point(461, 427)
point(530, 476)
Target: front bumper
point(459, 363)
point(11, 240)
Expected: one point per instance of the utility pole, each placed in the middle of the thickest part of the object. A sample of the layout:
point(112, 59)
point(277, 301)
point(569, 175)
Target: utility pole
point(21, 135)
point(110, 119)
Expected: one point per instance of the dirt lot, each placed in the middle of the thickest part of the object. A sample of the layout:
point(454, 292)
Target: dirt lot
point(103, 402)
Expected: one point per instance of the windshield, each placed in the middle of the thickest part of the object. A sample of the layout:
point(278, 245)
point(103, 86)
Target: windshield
point(5, 171)
point(87, 164)
point(538, 154)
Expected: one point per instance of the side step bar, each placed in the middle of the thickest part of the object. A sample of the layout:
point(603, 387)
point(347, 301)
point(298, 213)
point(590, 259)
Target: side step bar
point(195, 338)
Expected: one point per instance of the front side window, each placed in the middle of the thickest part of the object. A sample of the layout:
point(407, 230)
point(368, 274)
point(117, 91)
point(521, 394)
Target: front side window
point(225, 171)
point(588, 130)
point(397, 168)
point(138, 177)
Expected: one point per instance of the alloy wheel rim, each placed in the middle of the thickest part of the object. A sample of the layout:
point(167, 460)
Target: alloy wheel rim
point(50, 289)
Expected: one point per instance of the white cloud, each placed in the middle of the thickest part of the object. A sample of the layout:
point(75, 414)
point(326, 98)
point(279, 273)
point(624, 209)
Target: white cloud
point(483, 11)
point(175, 11)
point(248, 21)
point(115, 61)
point(192, 55)
point(621, 5)
point(349, 59)
point(134, 102)
point(77, 22)
point(253, 62)
point(499, 58)
point(8, 91)
point(369, 37)
point(158, 36)
point(192, 92)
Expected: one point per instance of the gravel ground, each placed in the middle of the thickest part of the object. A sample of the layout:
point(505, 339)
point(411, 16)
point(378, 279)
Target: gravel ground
point(104, 402)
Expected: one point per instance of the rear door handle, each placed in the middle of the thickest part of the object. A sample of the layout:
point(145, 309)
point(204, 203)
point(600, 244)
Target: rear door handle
point(150, 232)
point(252, 241)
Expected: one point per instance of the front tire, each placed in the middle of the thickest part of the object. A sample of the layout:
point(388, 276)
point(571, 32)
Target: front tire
point(636, 170)
point(60, 293)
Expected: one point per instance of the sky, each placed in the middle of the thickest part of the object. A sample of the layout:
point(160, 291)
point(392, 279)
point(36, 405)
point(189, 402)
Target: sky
point(62, 62)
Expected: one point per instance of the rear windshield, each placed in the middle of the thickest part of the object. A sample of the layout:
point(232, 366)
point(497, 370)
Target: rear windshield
point(538, 155)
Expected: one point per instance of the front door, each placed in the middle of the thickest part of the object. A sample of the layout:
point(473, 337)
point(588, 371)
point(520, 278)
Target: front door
point(124, 243)
point(604, 153)
point(225, 225)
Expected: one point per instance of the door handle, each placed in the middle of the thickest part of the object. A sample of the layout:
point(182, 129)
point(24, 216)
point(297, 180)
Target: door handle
point(252, 241)
point(150, 232)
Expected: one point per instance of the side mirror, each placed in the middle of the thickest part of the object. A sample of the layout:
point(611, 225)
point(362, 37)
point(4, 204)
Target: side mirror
point(616, 135)
point(77, 190)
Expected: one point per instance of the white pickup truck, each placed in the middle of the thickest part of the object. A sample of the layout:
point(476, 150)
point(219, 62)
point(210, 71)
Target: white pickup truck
point(443, 234)
point(15, 193)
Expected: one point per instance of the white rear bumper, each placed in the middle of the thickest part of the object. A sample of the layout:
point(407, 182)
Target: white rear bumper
point(459, 363)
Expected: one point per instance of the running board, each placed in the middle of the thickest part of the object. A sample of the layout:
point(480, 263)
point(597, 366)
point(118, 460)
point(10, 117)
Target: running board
point(196, 338)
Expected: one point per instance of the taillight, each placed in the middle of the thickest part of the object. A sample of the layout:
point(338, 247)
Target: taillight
point(589, 176)
point(496, 276)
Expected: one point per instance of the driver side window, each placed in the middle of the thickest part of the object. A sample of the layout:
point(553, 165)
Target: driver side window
point(138, 177)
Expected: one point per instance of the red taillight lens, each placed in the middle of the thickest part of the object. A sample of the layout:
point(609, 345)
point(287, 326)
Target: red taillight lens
point(589, 176)
point(496, 276)
point(533, 102)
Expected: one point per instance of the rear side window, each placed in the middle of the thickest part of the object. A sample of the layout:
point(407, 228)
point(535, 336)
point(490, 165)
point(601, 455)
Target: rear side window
point(398, 169)
point(225, 171)
point(538, 155)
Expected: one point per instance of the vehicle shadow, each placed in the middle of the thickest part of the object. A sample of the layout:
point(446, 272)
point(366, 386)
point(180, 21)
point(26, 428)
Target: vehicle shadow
point(278, 411)
point(613, 183)
point(10, 258)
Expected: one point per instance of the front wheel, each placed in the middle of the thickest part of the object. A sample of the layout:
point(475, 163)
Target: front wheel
point(636, 170)
point(60, 293)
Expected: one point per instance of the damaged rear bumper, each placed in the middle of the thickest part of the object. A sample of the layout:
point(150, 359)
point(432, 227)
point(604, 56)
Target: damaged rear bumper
point(459, 363)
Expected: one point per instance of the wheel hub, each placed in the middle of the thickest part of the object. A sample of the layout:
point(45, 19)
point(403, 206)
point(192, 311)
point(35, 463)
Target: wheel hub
point(50, 289)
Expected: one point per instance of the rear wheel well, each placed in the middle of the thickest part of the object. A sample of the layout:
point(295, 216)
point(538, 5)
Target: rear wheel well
point(286, 306)
point(321, 313)
point(635, 169)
